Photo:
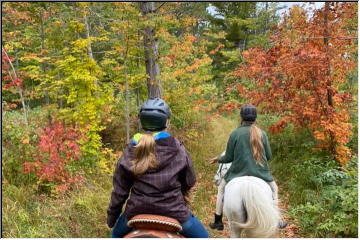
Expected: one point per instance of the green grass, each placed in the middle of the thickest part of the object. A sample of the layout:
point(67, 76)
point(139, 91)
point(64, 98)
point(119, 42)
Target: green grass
point(210, 144)
point(80, 214)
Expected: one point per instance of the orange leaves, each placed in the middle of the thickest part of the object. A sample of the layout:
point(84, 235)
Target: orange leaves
point(218, 47)
point(319, 135)
point(241, 89)
point(190, 38)
point(300, 76)
point(229, 107)
point(279, 126)
point(25, 140)
point(343, 154)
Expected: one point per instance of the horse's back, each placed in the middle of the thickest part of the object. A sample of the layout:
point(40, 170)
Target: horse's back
point(237, 189)
point(237, 184)
point(248, 204)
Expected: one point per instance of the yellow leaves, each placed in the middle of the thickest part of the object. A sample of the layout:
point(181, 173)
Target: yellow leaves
point(135, 80)
point(77, 26)
point(109, 62)
point(81, 43)
point(188, 21)
point(58, 23)
point(82, 4)
point(107, 160)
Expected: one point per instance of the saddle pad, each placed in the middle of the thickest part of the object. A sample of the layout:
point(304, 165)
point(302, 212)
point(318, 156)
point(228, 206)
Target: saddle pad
point(155, 222)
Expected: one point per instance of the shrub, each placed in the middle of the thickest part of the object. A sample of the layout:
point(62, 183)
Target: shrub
point(58, 146)
point(19, 143)
point(333, 212)
point(322, 196)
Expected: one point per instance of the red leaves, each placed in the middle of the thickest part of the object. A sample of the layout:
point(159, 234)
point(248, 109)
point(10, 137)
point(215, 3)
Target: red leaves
point(14, 82)
point(58, 146)
point(279, 126)
point(300, 76)
point(229, 107)
point(6, 62)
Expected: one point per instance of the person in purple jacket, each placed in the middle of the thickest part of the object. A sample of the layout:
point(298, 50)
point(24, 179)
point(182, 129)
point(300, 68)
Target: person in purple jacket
point(157, 172)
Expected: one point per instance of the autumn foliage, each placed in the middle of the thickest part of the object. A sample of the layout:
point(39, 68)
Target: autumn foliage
point(301, 77)
point(57, 148)
point(9, 77)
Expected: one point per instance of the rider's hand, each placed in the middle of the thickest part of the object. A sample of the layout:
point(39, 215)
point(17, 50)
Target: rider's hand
point(111, 220)
point(213, 160)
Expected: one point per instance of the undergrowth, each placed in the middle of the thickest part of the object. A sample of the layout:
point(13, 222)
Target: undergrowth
point(81, 213)
point(322, 196)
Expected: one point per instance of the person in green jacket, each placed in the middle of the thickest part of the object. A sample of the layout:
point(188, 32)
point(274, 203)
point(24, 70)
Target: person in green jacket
point(249, 151)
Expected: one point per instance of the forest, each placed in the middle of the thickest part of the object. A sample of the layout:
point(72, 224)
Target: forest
point(74, 75)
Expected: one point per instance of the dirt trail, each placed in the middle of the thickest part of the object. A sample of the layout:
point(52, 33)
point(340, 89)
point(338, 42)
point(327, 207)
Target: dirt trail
point(213, 143)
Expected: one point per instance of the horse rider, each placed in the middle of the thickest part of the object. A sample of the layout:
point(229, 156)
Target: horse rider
point(249, 151)
point(157, 172)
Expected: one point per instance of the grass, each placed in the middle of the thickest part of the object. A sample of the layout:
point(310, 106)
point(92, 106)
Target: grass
point(211, 144)
point(80, 214)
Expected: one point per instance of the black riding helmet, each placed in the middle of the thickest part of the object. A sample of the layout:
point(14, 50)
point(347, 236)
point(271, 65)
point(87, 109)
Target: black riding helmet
point(248, 113)
point(153, 114)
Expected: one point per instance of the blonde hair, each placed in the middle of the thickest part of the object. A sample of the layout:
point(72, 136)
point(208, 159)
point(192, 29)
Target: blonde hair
point(144, 156)
point(256, 144)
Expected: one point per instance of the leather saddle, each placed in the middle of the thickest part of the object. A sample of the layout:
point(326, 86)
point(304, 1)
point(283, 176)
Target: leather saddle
point(154, 226)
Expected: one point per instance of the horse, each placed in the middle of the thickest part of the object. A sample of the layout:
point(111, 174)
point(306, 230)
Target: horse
point(250, 208)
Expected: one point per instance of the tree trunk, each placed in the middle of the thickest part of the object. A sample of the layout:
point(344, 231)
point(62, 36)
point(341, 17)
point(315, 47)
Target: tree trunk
point(326, 43)
point(43, 67)
point(138, 105)
point(127, 113)
point(328, 74)
point(151, 47)
point(90, 52)
point(20, 91)
point(89, 48)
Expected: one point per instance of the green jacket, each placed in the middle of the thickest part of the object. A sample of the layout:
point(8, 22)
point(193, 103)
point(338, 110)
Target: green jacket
point(238, 151)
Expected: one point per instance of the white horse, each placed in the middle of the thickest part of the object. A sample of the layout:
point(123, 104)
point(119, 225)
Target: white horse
point(250, 208)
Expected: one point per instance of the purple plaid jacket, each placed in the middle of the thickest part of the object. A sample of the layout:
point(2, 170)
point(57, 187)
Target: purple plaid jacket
point(159, 191)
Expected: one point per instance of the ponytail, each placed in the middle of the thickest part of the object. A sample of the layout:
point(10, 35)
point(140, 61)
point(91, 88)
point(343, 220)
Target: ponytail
point(256, 144)
point(144, 156)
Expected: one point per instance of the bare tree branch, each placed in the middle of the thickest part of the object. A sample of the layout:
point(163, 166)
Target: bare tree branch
point(159, 7)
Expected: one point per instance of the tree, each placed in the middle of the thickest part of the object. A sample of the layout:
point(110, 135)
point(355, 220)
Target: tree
point(151, 47)
point(303, 73)
point(9, 74)
point(233, 28)
point(234, 18)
